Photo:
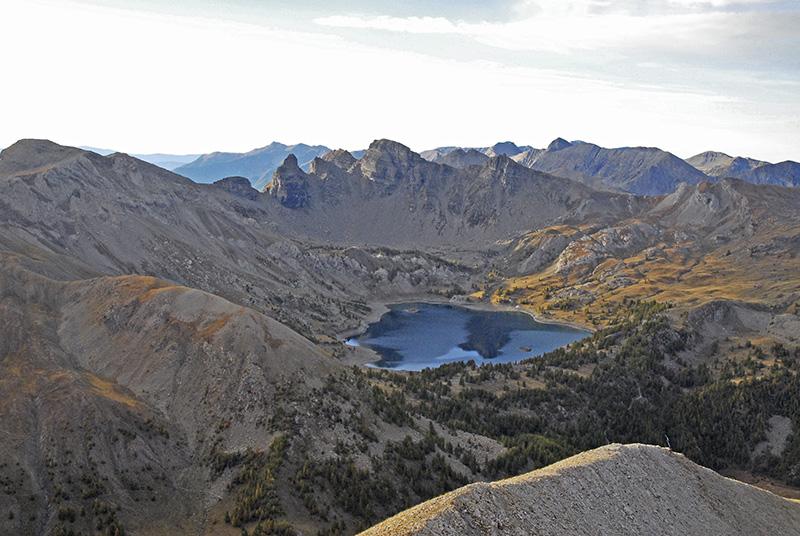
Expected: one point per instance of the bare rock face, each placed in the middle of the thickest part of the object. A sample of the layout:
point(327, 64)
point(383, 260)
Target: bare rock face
point(340, 158)
point(238, 186)
point(587, 252)
point(387, 161)
point(721, 206)
point(539, 249)
point(558, 144)
point(527, 158)
point(616, 489)
point(290, 184)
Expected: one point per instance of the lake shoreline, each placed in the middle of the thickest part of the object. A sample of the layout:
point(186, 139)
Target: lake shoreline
point(381, 307)
point(365, 356)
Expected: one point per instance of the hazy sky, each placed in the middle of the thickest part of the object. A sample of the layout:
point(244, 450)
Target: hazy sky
point(196, 76)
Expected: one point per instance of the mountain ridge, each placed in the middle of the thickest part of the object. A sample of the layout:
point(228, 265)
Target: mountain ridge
point(638, 170)
point(257, 164)
point(717, 164)
point(616, 489)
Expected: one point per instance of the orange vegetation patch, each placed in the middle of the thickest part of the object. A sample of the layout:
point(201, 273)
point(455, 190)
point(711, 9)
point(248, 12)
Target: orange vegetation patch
point(28, 380)
point(111, 391)
point(677, 275)
point(208, 331)
point(143, 287)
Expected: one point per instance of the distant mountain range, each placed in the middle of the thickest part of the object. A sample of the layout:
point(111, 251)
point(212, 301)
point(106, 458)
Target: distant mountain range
point(162, 160)
point(257, 165)
point(716, 164)
point(637, 170)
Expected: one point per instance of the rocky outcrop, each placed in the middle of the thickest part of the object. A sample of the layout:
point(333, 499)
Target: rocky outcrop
point(387, 162)
point(290, 184)
point(340, 158)
point(238, 186)
point(617, 489)
point(527, 158)
point(587, 252)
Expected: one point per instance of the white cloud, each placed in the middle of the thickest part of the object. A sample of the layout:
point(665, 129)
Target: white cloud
point(146, 83)
point(431, 25)
point(569, 26)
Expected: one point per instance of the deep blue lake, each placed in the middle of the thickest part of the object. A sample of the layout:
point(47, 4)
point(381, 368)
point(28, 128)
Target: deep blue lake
point(414, 336)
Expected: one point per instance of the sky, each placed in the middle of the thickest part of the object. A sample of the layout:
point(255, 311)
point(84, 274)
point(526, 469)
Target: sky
point(197, 76)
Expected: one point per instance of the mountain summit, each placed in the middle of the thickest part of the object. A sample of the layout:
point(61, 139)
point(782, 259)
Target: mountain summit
point(616, 489)
point(718, 164)
point(637, 170)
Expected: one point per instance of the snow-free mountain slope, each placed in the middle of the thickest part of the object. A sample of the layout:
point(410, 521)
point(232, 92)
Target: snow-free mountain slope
point(616, 489)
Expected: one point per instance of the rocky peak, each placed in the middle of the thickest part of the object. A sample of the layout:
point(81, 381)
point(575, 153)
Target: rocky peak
point(238, 186)
point(340, 158)
point(389, 161)
point(461, 158)
point(290, 184)
point(30, 154)
point(558, 144)
point(390, 147)
point(504, 148)
point(718, 206)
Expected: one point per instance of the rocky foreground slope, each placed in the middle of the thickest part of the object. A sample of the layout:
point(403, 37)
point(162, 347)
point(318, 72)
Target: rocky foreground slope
point(616, 489)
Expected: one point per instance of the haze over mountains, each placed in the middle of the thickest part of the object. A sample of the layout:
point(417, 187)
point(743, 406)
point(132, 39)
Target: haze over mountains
point(256, 165)
point(171, 355)
point(166, 161)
